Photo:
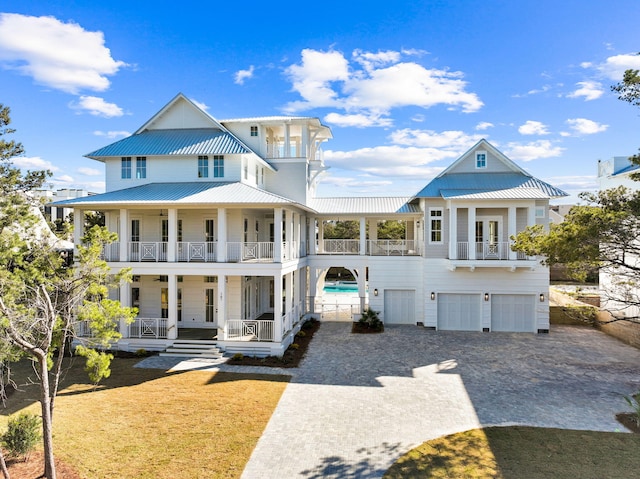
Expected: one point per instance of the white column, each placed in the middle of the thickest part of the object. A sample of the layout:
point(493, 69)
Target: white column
point(289, 233)
point(222, 305)
point(221, 256)
point(320, 236)
point(287, 141)
point(78, 228)
point(277, 308)
point(125, 300)
point(124, 234)
point(305, 142)
point(277, 235)
point(453, 236)
point(511, 230)
point(311, 236)
point(313, 283)
point(362, 288)
point(363, 235)
point(172, 305)
point(173, 235)
point(471, 232)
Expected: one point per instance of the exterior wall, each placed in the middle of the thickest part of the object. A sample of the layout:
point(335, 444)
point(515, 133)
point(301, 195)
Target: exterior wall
point(494, 165)
point(290, 180)
point(182, 115)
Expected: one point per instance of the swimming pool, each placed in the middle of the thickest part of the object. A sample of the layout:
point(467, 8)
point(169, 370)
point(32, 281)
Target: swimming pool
point(341, 287)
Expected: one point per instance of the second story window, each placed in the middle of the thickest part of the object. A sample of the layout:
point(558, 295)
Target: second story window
point(218, 166)
point(141, 167)
point(481, 159)
point(254, 131)
point(126, 167)
point(435, 226)
point(203, 166)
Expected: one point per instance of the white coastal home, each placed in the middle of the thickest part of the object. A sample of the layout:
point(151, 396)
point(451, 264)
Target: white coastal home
point(220, 223)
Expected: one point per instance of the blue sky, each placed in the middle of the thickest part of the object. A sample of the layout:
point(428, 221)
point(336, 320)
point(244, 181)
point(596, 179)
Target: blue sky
point(406, 86)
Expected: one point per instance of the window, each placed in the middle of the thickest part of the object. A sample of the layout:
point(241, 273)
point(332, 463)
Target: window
point(539, 212)
point(141, 167)
point(135, 230)
point(245, 170)
point(262, 176)
point(256, 174)
point(481, 159)
point(126, 167)
point(435, 225)
point(254, 131)
point(209, 231)
point(210, 279)
point(179, 304)
point(135, 297)
point(164, 231)
point(218, 166)
point(164, 303)
point(179, 230)
point(203, 166)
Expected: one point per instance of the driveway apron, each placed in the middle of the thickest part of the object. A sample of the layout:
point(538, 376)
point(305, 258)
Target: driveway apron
point(359, 402)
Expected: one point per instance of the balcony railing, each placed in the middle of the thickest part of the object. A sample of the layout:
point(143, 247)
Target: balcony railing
point(147, 251)
point(249, 330)
point(489, 251)
point(340, 246)
point(196, 251)
point(155, 328)
point(261, 252)
point(393, 248)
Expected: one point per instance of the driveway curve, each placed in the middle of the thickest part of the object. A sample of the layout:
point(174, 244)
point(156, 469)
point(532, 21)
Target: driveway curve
point(359, 402)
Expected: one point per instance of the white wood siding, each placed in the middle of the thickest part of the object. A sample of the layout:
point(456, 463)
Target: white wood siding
point(404, 273)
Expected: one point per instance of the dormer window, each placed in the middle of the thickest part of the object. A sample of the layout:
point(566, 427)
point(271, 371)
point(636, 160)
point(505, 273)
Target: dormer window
point(481, 159)
point(254, 130)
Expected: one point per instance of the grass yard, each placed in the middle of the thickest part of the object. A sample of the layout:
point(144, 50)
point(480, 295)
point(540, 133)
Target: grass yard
point(523, 452)
point(146, 423)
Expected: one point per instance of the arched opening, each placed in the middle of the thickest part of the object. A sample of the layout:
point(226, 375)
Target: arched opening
point(341, 293)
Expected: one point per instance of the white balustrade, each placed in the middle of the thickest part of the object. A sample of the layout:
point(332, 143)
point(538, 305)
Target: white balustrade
point(147, 251)
point(148, 328)
point(249, 330)
point(261, 252)
point(196, 251)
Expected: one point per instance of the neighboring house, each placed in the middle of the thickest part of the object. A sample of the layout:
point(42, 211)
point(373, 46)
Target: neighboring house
point(220, 223)
point(53, 213)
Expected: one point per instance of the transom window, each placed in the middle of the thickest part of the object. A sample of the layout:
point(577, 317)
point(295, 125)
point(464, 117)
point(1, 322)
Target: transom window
point(435, 225)
point(141, 167)
point(218, 166)
point(203, 166)
point(126, 167)
point(254, 131)
point(481, 159)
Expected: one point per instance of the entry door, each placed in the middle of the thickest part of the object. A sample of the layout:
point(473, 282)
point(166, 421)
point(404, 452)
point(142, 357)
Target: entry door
point(210, 311)
point(488, 233)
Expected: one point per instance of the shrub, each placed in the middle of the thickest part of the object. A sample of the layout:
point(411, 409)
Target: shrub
point(633, 400)
point(301, 334)
point(237, 357)
point(141, 352)
point(294, 346)
point(371, 319)
point(23, 432)
point(309, 324)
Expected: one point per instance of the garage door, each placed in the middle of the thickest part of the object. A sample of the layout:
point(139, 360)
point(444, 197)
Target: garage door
point(513, 312)
point(399, 306)
point(459, 312)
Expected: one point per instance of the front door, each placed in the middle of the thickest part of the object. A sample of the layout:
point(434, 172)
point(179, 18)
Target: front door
point(210, 312)
point(488, 233)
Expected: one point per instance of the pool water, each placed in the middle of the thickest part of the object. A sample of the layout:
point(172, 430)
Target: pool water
point(341, 287)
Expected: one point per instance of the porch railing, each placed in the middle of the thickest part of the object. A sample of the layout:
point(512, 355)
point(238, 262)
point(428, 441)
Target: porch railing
point(249, 329)
point(250, 251)
point(111, 252)
point(155, 328)
point(196, 251)
point(397, 247)
point(147, 251)
point(341, 246)
point(489, 251)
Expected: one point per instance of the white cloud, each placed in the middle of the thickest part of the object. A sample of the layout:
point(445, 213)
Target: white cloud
point(241, 75)
point(96, 106)
point(33, 163)
point(202, 106)
point(582, 126)
point(418, 118)
point(89, 171)
point(63, 56)
point(374, 84)
point(484, 125)
point(357, 182)
point(454, 142)
point(615, 66)
point(533, 150)
point(112, 134)
point(64, 179)
point(532, 127)
point(590, 90)
point(359, 120)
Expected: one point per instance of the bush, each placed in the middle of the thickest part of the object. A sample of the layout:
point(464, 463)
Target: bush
point(23, 432)
point(237, 357)
point(633, 400)
point(141, 352)
point(301, 334)
point(294, 346)
point(371, 319)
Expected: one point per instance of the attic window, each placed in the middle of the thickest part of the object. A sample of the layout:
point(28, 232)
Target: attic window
point(481, 159)
point(254, 131)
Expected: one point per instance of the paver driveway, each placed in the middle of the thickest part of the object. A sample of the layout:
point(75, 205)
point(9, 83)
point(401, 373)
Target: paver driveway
point(358, 402)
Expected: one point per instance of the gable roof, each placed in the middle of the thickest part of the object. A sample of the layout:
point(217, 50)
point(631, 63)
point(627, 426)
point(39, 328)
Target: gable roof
point(364, 205)
point(193, 193)
point(176, 99)
point(493, 150)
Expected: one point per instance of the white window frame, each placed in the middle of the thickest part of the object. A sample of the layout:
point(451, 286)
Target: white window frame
point(433, 218)
point(253, 130)
point(126, 165)
point(484, 165)
point(203, 166)
point(218, 166)
point(141, 167)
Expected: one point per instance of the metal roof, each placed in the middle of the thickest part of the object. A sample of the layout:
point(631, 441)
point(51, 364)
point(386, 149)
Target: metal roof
point(197, 141)
point(507, 194)
point(181, 194)
point(269, 118)
point(489, 183)
point(362, 205)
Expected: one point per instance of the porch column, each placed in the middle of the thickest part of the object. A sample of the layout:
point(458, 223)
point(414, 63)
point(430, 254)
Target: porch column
point(320, 235)
point(221, 253)
point(299, 234)
point(471, 232)
point(362, 279)
point(78, 228)
point(288, 292)
point(222, 306)
point(511, 231)
point(363, 236)
point(173, 235)
point(277, 308)
point(313, 284)
point(172, 305)
point(311, 236)
point(304, 135)
point(277, 235)
point(124, 234)
point(289, 234)
point(125, 300)
point(287, 141)
point(453, 240)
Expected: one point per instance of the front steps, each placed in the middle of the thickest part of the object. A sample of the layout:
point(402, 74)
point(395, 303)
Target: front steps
point(193, 348)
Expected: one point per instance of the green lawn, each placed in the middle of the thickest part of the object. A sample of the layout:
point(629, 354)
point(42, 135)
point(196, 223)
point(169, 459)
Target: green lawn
point(147, 423)
point(523, 452)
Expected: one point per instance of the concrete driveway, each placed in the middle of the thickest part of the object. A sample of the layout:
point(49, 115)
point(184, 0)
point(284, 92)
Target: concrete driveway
point(358, 402)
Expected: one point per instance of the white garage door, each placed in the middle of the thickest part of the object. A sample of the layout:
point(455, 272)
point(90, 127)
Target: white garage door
point(459, 312)
point(513, 312)
point(399, 306)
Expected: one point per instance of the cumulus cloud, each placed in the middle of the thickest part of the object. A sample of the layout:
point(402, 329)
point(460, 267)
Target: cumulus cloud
point(89, 171)
point(241, 75)
point(202, 106)
point(582, 126)
point(615, 66)
point(373, 84)
point(33, 163)
point(533, 150)
point(359, 120)
point(59, 55)
point(96, 106)
point(112, 134)
point(532, 127)
point(484, 125)
point(453, 141)
point(590, 90)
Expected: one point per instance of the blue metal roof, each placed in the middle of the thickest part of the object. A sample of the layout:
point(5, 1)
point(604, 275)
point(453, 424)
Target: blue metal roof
point(485, 183)
point(205, 141)
point(364, 205)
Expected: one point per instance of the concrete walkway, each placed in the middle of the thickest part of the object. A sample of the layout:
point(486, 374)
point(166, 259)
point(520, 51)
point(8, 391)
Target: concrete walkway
point(358, 402)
